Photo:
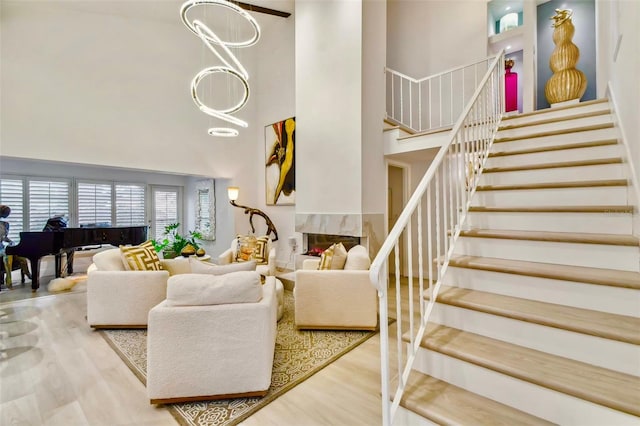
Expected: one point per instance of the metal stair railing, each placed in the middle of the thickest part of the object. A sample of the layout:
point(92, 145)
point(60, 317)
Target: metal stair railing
point(441, 202)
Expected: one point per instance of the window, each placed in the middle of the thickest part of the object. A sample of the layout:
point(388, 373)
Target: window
point(165, 209)
point(47, 198)
point(130, 204)
point(94, 203)
point(11, 195)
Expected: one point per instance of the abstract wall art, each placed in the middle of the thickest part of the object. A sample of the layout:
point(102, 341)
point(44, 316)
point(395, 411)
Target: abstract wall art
point(280, 170)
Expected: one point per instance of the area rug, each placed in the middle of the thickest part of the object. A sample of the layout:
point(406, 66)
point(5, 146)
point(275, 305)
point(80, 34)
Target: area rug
point(299, 354)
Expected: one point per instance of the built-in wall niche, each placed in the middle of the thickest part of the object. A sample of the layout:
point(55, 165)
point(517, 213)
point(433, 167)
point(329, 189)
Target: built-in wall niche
point(504, 15)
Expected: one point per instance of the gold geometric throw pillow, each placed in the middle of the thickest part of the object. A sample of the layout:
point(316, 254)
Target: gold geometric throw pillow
point(334, 257)
point(261, 255)
point(140, 258)
point(326, 258)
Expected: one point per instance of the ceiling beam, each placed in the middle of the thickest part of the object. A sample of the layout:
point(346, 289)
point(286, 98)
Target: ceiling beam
point(260, 9)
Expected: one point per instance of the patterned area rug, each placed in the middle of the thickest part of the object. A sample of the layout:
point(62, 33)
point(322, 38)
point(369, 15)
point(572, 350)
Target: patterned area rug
point(298, 355)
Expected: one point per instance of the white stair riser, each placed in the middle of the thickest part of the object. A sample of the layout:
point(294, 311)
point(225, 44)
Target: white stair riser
point(589, 255)
point(406, 417)
point(594, 350)
point(605, 223)
point(542, 402)
point(556, 113)
point(547, 157)
point(568, 125)
point(556, 140)
point(615, 300)
point(602, 195)
point(557, 174)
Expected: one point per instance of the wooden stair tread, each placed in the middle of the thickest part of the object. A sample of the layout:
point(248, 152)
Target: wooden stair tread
point(594, 323)
point(559, 237)
point(560, 164)
point(555, 185)
point(555, 132)
point(555, 120)
point(554, 148)
point(447, 404)
point(543, 111)
point(582, 274)
point(596, 384)
point(553, 209)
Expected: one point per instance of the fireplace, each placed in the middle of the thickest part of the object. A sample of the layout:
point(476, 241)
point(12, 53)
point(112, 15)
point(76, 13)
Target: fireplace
point(315, 244)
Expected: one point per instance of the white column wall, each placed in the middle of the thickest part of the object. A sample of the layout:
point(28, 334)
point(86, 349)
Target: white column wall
point(328, 106)
point(374, 42)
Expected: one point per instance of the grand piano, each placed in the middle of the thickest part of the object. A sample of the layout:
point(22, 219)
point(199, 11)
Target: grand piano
point(34, 245)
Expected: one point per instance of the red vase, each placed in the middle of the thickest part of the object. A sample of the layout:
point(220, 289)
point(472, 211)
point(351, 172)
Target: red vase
point(510, 90)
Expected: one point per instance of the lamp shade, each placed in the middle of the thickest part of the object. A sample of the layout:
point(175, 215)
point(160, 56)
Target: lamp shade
point(233, 192)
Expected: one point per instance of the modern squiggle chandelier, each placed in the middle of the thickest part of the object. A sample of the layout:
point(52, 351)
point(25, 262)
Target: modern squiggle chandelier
point(231, 66)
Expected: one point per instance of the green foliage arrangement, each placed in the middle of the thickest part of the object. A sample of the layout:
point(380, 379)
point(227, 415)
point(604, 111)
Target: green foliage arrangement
point(172, 243)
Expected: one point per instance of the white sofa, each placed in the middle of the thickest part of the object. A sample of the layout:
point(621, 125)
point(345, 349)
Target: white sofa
point(117, 298)
point(336, 299)
point(214, 350)
point(229, 256)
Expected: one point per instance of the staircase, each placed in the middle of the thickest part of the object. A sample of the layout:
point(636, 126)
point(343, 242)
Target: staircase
point(537, 320)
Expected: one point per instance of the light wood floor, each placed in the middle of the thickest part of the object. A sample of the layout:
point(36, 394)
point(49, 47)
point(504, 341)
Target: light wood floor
point(54, 370)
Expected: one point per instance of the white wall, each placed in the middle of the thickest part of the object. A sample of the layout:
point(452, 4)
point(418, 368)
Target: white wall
point(429, 36)
point(275, 82)
point(328, 104)
point(618, 21)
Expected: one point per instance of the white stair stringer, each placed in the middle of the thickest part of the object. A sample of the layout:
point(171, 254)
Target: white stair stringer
point(589, 255)
point(595, 297)
point(611, 354)
point(605, 222)
point(539, 401)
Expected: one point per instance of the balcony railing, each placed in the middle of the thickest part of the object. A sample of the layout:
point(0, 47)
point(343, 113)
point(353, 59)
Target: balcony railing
point(435, 101)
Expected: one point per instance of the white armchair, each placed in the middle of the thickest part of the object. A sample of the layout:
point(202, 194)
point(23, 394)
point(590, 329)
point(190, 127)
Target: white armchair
point(214, 337)
point(336, 299)
point(117, 298)
point(268, 269)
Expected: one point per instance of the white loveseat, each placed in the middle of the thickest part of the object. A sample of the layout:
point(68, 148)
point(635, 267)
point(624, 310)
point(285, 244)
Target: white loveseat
point(336, 298)
point(214, 337)
point(117, 298)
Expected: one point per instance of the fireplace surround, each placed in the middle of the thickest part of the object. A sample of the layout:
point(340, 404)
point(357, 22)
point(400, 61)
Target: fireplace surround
point(315, 244)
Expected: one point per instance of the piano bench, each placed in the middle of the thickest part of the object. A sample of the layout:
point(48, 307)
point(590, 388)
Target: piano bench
point(18, 262)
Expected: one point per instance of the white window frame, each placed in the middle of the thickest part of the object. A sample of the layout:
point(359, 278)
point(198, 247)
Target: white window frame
point(153, 232)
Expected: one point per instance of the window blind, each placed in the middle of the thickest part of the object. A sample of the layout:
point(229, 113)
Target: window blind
point(47, 199)
point(11, 195)
point(166, 210)
point(94, 203)
point(130, 204)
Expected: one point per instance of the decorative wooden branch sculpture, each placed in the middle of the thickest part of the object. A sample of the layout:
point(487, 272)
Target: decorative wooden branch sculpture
point(271, 228)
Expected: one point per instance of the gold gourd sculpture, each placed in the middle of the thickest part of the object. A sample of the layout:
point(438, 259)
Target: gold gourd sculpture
point(567, 82)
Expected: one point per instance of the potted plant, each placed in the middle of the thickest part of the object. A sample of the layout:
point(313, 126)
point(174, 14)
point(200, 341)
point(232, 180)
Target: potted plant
point(172, 243)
